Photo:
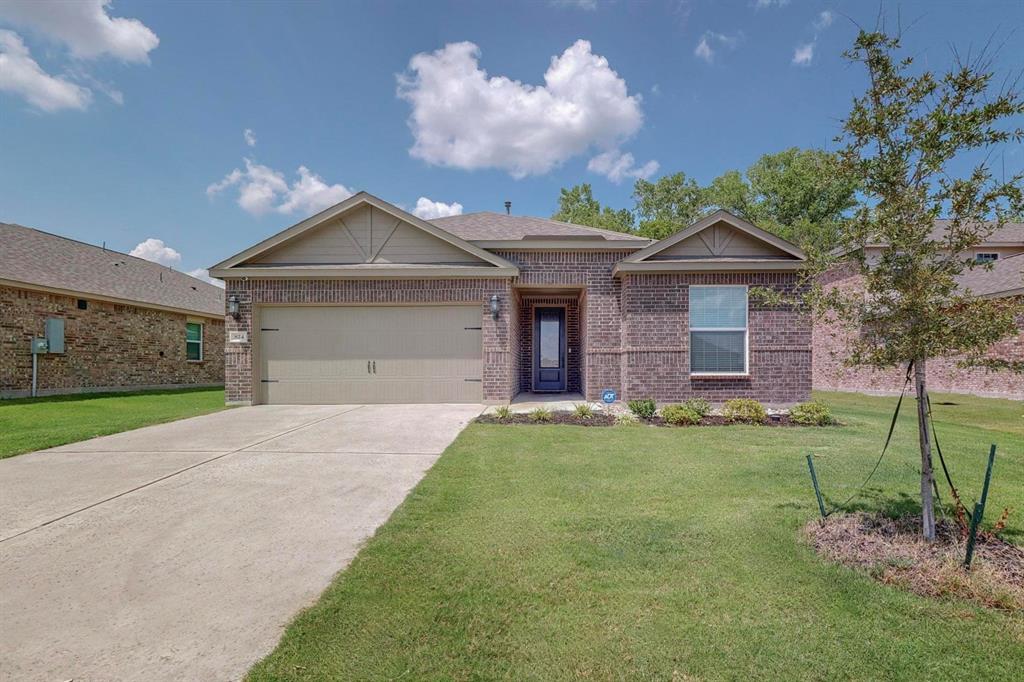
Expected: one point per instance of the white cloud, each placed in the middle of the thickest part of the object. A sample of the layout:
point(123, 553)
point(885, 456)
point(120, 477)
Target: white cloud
point(655, 89)
point(22, 75)
point(711, 42)
point(464, 118)
point(589, 5)
point(428, 210)
point(803, 54)
point(262, 189)
point(617, 166)
point(85, 27)
point(824, 20)
point(763, 4)
point(158, 252)
point(204, 274)
point(250, 137)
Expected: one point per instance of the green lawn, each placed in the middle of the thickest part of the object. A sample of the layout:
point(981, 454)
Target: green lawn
point(562, 552)
point(35, 423)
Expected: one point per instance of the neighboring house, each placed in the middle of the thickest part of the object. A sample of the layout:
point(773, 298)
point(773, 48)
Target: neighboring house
point(126, 323)
point(1004, 249)
point(365, 303)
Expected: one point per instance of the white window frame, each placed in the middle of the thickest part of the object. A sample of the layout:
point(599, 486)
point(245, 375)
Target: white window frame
point(202, 336)
point(745, 329)
point(978, 256)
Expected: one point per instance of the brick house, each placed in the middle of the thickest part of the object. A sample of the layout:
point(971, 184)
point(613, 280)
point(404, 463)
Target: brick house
point(364, 302)
point(1005, 251)
point(126, 323)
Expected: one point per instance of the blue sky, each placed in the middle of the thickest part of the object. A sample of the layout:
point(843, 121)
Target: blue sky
point(124, 122)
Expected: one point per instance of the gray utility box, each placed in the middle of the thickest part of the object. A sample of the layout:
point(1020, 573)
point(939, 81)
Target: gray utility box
point(55, 335)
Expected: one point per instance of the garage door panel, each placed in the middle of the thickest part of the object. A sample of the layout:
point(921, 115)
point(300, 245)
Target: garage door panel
point(420, 354)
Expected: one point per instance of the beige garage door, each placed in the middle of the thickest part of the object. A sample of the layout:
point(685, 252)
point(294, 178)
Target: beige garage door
point(371, 354)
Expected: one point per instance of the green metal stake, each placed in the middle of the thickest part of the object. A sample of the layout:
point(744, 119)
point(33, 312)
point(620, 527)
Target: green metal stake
point(979, 509)
point(817, 490)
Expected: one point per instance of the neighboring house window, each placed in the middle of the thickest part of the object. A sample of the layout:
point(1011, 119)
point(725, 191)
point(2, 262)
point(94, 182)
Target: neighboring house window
point(193, 341)
point(718, 329)
point(985, 257)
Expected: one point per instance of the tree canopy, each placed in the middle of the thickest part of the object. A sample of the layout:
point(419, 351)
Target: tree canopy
point(796, 193)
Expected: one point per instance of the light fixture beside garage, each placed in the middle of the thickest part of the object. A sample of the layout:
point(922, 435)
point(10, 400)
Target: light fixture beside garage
point(494, 306)
point(233, 306)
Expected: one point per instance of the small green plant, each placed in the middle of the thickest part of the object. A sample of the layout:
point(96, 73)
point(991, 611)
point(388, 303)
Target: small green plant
point(813, 413)
point(540, 414)
point(644, 409)
point(627, 419)
point(680, 415)
point(744, 410)
point(503, 413)
point(583, 410)
point(699, 405)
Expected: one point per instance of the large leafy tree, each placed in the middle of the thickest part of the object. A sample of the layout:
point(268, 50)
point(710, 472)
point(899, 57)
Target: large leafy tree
point(577, 205)
point(902, 138)
point(668, 204)
point(800, 195)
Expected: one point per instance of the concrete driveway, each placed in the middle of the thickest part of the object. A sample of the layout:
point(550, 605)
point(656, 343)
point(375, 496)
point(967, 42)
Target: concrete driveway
point(181, 551)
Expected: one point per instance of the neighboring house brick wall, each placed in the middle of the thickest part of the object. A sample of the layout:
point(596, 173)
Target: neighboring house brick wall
point(108, 346)
point(832, 341)
point(498, 380)
point(656, 340)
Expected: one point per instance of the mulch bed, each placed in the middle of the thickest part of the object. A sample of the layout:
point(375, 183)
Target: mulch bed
point(556, 418)
point(600, 419)
point(893, 552)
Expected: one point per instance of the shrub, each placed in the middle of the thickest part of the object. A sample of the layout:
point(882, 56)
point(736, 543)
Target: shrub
point(644, 409)
point(627, 419)
point(744, 410)
point(680, 415)
point(699, 405)
point(583, 410)
point(540, 414)
point(503, 412)
point(813, 413)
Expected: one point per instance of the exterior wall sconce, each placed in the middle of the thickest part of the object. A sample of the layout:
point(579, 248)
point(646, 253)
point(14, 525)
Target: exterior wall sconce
point(495, 307)
point(233, 306)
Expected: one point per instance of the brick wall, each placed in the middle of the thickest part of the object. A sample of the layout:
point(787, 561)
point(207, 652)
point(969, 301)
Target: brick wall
point(498, 380)
point(630, 337)
point(656, 341)
point(591, 272)
point(831, 341)
point(108, 346)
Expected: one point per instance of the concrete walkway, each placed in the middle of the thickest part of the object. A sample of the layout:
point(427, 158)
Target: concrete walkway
point(181, 551)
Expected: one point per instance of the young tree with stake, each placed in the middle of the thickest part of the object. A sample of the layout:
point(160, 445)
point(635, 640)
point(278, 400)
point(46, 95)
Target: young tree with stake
point(901, 137)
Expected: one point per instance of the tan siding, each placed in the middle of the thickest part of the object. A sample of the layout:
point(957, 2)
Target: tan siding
point(360, 234)
point(722, 241)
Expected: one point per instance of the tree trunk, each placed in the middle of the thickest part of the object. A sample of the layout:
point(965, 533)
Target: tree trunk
point(925, 438)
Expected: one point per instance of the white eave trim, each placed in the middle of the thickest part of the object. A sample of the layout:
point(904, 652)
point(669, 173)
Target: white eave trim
point(363, 272)
point(667, 266)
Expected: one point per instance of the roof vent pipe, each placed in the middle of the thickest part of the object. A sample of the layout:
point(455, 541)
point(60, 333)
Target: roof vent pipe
point(508, 208)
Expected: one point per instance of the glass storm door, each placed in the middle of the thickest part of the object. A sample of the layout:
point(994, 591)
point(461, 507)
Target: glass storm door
point(549, 349)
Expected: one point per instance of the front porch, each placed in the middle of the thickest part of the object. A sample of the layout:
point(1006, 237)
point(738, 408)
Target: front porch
point(548, 346)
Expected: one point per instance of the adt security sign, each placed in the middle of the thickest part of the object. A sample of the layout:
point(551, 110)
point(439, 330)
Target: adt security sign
point(608, 396)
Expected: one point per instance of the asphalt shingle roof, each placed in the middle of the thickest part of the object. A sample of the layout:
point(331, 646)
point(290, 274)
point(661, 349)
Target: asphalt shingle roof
point(487, 226)
point(1006, 274)
point(48, 260)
